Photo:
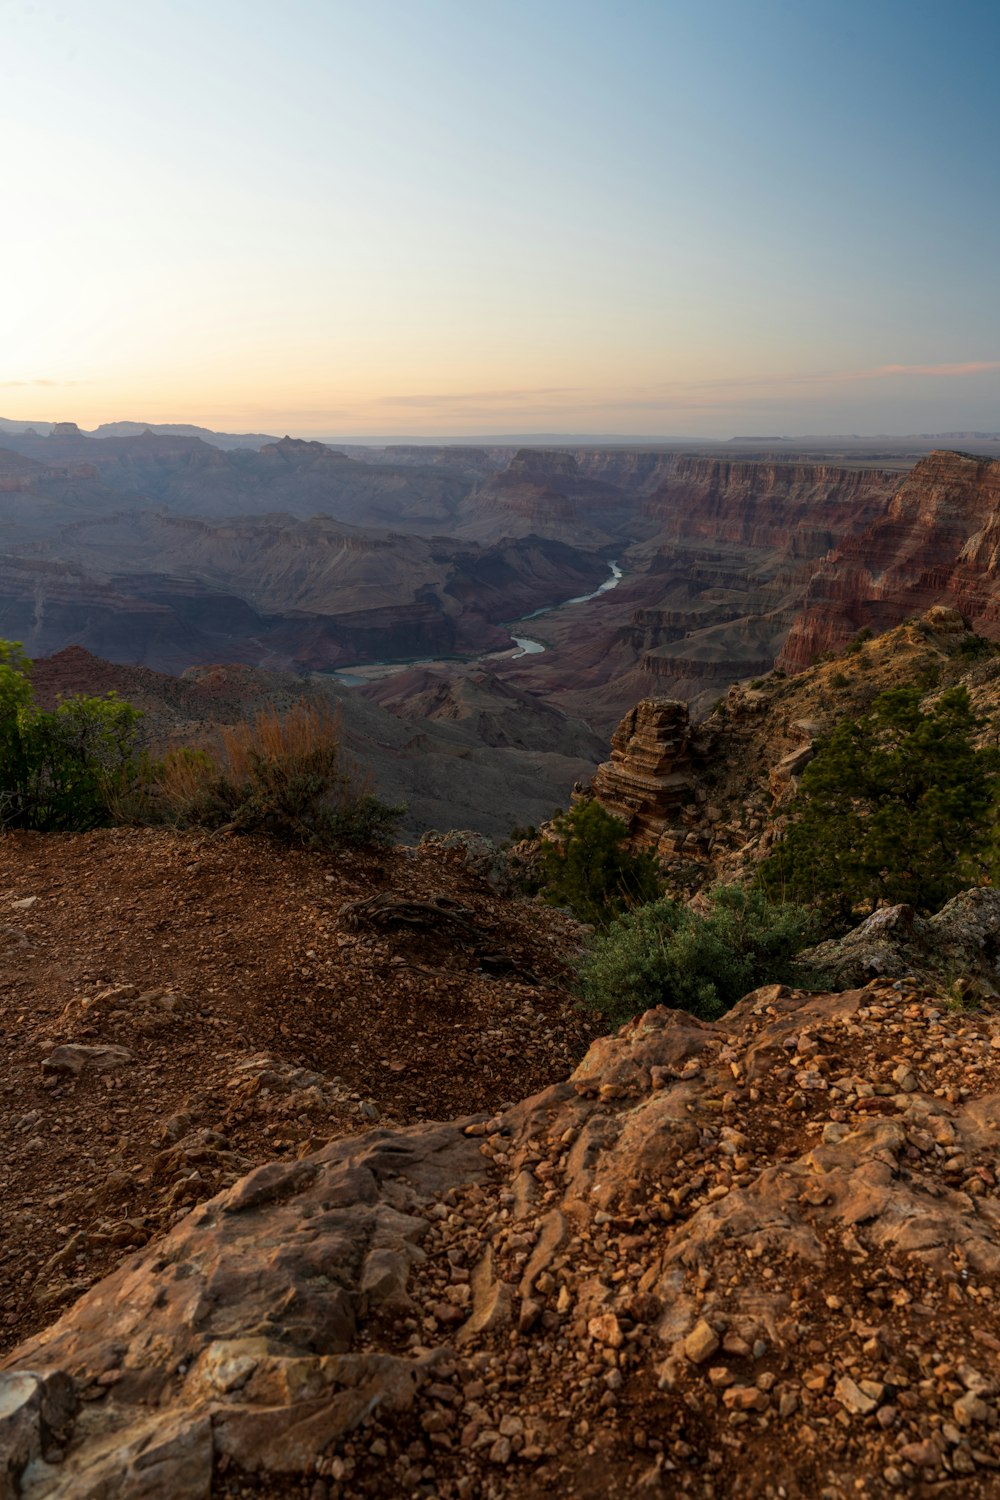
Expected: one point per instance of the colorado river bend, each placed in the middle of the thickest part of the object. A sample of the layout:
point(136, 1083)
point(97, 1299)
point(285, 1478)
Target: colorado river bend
point(374, 671)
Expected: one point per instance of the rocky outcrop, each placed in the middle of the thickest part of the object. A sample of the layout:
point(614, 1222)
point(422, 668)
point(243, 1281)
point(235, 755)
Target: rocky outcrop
point(959, 945)
point(742, 763)
point(938, 543)
point(649, 782)
point(763, 1247)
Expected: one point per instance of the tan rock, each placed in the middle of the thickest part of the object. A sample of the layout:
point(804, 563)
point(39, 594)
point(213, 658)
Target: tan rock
point(701, 1343)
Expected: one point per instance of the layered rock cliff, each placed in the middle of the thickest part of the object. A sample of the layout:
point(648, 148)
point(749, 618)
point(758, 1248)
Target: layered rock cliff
point(937, 543)
point(800, 508)
point(171, 591)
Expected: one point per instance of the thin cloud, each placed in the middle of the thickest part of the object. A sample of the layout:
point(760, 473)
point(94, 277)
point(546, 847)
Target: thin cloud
point(451, 398)
point(20, 384)
point(970, 367)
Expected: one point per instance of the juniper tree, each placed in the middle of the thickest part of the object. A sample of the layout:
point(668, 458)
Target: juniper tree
point(897, 806)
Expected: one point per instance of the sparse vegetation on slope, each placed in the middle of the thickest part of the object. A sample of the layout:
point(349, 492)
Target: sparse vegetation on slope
point(897, 806)
point(587, 865)
point(665, 953)
point(285, 775)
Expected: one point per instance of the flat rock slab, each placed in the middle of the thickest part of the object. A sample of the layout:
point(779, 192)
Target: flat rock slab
point(74, 1058)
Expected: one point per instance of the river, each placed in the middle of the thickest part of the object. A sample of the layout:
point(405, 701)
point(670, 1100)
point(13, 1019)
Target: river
point(532, 648)
point(374, 671)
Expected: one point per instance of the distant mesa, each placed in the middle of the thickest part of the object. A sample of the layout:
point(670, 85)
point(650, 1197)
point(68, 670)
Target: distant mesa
point(295, 449)
point(65, 429)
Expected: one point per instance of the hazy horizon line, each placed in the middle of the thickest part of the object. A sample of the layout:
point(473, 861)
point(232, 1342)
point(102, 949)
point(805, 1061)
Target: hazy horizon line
point(16, 425)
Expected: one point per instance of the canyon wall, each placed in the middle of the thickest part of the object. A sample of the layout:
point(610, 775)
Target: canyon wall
point(714, 579)
point(937, 542)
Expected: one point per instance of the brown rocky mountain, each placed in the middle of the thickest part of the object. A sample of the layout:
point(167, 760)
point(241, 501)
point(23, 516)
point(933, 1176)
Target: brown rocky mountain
point(161, 548)
point(192, 477)
point(171, 590)
point(937, 543)
point(711, 593)
point(709, 796)
point(495, 711)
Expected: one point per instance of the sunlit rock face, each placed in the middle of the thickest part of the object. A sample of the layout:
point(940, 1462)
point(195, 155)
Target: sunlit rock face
point(937, 543)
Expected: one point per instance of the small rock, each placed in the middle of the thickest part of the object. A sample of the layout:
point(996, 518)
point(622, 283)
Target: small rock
point(970, 1408)
point(745, 1398)
point(852, 1398)
point(605, 1329)
point(701, 1343)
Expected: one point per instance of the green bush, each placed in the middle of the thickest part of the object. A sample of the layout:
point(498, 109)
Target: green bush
point(975, 646)
point(588, 866)
point(897, 806)
point(65, 768)
point(667, 954)
point(854, 646)
point(285, 775)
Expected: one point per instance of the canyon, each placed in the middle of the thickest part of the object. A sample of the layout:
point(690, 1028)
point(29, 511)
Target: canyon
point(170, 551)
point(324, 1185)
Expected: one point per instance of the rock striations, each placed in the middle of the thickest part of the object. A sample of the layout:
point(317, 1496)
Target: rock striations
point(938, 543)
point(648, 781)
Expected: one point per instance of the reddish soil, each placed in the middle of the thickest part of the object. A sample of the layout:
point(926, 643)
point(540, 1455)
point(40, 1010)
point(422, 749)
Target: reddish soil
point(256, 1025)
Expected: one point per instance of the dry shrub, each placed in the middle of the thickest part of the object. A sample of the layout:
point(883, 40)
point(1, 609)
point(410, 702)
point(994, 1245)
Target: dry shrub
point(283, 774)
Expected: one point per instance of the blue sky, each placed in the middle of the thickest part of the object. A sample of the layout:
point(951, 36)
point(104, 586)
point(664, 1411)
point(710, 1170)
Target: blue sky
point(420, 216)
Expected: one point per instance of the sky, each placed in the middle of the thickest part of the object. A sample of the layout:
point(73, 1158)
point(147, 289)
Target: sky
point(464, 217)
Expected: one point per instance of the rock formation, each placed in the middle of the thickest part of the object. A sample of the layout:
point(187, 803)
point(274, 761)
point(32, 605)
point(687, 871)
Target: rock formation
point(959, 945)
point(649, 781)
point(710, 796)
point(717, 1258)
point(173, 591)
point(720, 557)
point(937, 543)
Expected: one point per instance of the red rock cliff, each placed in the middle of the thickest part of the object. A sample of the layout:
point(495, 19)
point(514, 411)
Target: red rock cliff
point(937, 543)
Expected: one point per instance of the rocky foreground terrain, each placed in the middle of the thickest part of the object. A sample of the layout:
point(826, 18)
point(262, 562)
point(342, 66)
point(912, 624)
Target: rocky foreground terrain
point(317, 1183)
point(751, 1258)
point(177, 1008)
point(243, 1256)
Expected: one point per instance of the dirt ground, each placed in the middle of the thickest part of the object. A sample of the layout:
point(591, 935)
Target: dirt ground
point(250, 1023)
